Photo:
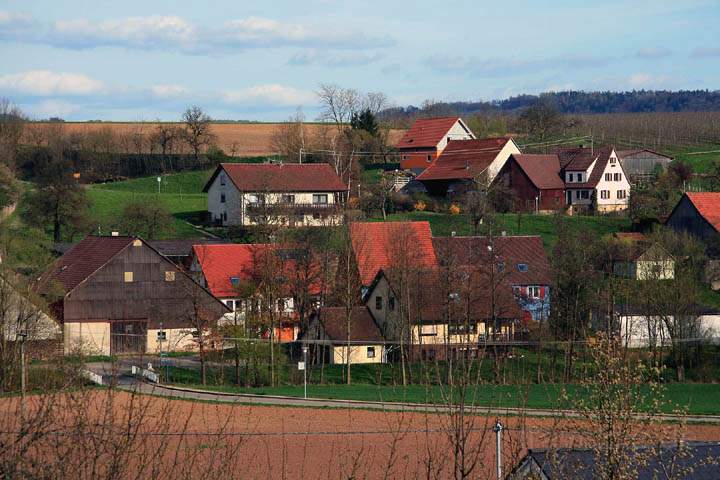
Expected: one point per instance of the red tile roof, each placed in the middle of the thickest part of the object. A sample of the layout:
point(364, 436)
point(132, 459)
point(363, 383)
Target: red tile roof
point(362, 325)
point(708, 205)
point(427, 132)
point(542, 170)
point(382, 245)
point(286, 177)
point(221, 262)
point(464, 159)
point(82, 260)
point(511, 251)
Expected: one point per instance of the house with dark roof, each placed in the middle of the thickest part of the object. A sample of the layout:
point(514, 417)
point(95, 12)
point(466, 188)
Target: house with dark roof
point(235, 273)
point(115, 295)
point(642, 164)
point(518, 261)
point(466, 163)
point(427, 138)
point(536, 181)
point(698, 213)
point(293, 194)
point(687, 460)
point(636, 257)
point(340, 339)
point(594, 179)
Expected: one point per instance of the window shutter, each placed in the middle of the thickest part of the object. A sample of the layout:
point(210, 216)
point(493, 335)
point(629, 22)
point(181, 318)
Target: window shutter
point(542, 292)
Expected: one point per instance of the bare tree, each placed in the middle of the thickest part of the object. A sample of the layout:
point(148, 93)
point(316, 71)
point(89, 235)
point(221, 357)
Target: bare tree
point(289, 138)
point(12, 123)
point(197, 133)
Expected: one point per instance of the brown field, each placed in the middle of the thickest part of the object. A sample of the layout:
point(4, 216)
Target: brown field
point(235, 139)
point(181, 439)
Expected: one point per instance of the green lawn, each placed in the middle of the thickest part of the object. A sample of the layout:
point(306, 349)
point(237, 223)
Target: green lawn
point(443, 224)
point(695, 398)
point(177, 183)
point(701, 163)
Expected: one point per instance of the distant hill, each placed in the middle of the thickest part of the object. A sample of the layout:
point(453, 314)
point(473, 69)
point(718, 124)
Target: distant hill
point(576, 102)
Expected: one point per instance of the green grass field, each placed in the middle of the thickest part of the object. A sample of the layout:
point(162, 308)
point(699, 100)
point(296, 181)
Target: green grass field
point(701, 162)
point(518, 224)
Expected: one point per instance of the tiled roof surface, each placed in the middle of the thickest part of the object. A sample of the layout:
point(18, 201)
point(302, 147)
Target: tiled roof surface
point(427, 132)
point(577, 158)
point(542, 170)
point(84, 259)
point(286, 177)
point(382, 245)
point(464, 159)
point(708, 205)
point(510, 251)
point(602, 156)
point(362, 324)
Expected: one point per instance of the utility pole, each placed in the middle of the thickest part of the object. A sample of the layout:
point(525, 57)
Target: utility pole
point(22, 336)
point(305, 350)
point(498, 428)
point(300, 154)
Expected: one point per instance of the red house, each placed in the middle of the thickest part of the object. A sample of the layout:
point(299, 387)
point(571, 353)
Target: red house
point(536, 181)
point(427, 138)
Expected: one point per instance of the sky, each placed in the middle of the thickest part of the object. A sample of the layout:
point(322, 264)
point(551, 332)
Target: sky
point(262, 60)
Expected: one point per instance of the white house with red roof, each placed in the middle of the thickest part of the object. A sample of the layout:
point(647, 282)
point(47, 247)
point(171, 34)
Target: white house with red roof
point(281, 194)
point(427, 138)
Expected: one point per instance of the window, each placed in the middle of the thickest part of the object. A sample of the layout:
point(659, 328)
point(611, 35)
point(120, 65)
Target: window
point(234, 281)
point(230, 304)
point(169, 276)
point(585, 194)
point(429, 158)
point(570, 177)
point(618, 177)
point(391, 303)
point(613, 159)
point(281, 305)
point(621, 194)
point(462, 329)
point(161, 336)
point(370, 352)
point(501, 267)
point(428, 330)
point(128, 277)
point(455, 297)
point(404, 157)
point(522, 267)
point(222, 198)
point(577, 194)
point(222, 179)
point(533, 292)
point(608, 177)
point(605, 194)
point(287, 198)
point(320, 198)
point(378, 303)
point(224, 216)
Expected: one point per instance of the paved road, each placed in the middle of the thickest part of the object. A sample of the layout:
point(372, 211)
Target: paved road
point(124, 381)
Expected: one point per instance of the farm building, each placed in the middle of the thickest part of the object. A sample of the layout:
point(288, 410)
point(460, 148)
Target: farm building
point(328, 332)
point(639, 259)
point(427, 138)
point(642, 164)
point(238, 274)
point(536, 181)
point(116, 295)
point(290, 194)
point(466, 163)
point(594, 179)
point(698, 213)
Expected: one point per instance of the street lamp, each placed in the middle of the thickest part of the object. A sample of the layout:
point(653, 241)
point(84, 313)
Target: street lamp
point(159, 179)
point(305, 350)
point(498, 428)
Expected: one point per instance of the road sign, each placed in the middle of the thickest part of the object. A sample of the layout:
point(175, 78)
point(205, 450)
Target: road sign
point(301, 365)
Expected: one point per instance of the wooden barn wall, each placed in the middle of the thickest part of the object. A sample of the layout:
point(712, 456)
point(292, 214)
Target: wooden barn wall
point(686, 218)
point(106, 296)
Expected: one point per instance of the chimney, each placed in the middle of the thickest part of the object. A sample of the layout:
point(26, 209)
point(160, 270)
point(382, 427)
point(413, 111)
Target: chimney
point(114, 234)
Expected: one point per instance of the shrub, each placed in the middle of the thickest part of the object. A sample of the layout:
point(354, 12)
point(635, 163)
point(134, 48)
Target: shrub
point(454, 209)
point(420, 206)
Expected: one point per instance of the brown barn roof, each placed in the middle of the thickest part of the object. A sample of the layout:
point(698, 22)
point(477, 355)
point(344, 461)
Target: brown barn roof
point(84, 259)
point(362, 324)
point(281, 177)
point(464, 159)
point(511, 251)
point(602, 156)
point(542, 170)
point(427, 132)
point(628, 153)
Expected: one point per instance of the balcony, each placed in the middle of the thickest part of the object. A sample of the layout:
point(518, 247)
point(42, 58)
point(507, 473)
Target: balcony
point(283, 208)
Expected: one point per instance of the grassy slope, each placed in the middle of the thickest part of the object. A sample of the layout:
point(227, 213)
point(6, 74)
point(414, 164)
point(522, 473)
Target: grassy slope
point(518, 224)
point(701, 163)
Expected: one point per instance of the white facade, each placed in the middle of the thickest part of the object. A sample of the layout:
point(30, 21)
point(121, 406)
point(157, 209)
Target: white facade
point(614, 185)
point(641, 331)
point(230, 207)
point(459, 131)
point(510, 148)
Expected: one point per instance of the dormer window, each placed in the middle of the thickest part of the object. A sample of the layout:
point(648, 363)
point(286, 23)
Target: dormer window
point(522, 267)
point(234, 281)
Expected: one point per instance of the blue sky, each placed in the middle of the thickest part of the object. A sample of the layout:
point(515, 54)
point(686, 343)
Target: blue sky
point(143, 60)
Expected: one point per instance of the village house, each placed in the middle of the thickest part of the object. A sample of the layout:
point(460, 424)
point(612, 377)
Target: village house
point(427, 138)
point(385, 245)
point(518, 261)
point(117, 294)
point(594, 179)
point(639, 259)
point(698, 213)
point(465, 164)
point(328, 333)
point(536, 182)
point(278, 194)
point(641, 165)
point(237, 274)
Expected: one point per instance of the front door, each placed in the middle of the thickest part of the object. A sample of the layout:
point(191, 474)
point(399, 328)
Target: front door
point(128, 337)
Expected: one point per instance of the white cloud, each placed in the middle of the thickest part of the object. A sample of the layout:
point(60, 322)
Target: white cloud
point(173, 33)
point(705, 52)
point(334, 59)
point(46, 83)
point(510, 66)
point(53, 108)
point(645, 80)
point(168, 90)
point(653, 53)
point(270, 95)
